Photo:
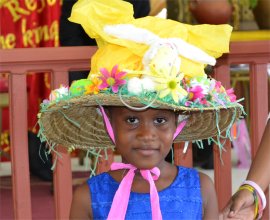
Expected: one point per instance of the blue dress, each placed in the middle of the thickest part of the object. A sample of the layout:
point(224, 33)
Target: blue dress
point(181, 200)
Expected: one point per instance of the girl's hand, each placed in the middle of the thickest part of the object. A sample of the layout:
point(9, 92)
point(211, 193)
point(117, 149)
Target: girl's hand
point(241, 206)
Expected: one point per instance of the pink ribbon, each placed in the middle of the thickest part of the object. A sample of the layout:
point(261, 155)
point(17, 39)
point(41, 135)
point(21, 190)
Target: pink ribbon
point(121, 198)
point(179, 128)
point(108, 124)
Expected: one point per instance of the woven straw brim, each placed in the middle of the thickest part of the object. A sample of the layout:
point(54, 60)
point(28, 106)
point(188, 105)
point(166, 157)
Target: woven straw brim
point(77, 123)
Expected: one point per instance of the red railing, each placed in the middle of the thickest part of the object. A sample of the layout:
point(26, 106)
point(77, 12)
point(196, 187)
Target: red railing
point(61, 60)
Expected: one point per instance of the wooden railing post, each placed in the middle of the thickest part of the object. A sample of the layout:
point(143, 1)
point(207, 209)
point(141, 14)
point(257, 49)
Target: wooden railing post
point(258, 103)
point(62, 174)
point(222, 160)
point(258, 110)
point(181, 158)
point(19, 146)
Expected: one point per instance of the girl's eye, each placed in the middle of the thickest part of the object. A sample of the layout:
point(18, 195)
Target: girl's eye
point(132, 120)
point(160, 120)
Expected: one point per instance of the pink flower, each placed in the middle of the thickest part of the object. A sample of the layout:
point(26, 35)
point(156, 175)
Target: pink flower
point(230, 93)
point(196, 93)
point(187, 103)
point(204, 102)
point(217, 85)
point(46, 101)
point(219, 88)
point(112, 79)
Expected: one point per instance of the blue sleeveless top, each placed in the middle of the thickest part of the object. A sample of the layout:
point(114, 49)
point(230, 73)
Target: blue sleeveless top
point(181, 200)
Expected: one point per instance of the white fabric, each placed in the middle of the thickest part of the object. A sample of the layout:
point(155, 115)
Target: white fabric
point(140, 35)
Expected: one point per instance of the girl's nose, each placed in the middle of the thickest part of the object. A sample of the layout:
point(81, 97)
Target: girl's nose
point(146, 131)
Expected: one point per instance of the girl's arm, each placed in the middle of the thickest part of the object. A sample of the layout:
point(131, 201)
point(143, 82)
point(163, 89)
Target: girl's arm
point(258, 173)
point(210, 204)
point(261, 162)
point(81, 203)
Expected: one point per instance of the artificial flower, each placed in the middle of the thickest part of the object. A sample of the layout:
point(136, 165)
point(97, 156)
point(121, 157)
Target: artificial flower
point(212, 85)
point(196, 93)
point(163, 65)
point(137, 85)
point(202, 82)
point(148, 84)
point(59, 93)
point(93, 87)
point(218, 87)
point(134, 86)
point(78, 87)
point(46, 101)
point(215, 87)
point(112, 79)
point(170, 85)
point(231, 95)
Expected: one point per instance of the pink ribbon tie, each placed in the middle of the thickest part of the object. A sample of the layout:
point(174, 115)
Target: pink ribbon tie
point(179, 128)
point(107, 124)
point(121, 198)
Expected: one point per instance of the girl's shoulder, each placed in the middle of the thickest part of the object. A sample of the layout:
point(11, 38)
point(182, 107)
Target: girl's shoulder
point(194, 176)
point(209, 197)
point(188, 176)
point(206, 182)
point(101, 183)
point(80, 207)
point(100, 177)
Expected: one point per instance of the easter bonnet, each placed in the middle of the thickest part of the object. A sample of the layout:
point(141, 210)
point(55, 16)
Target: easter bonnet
point(141, 63)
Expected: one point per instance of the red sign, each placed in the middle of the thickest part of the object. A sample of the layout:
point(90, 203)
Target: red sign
point(24, 24)
point(29, 23)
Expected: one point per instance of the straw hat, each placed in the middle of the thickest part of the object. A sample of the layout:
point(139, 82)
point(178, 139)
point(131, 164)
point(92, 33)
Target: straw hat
point(141, 63)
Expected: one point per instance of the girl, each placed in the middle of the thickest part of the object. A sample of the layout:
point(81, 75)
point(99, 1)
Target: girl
point(146, 90)
point(144, 138)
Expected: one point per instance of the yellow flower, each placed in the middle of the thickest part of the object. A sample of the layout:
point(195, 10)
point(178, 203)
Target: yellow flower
point(170, 85)
point(94, 87)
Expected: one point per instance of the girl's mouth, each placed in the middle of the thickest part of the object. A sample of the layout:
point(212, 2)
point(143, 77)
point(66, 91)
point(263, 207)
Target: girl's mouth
point(146, 151)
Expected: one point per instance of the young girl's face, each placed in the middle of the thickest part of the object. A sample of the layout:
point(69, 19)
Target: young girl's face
point(143, 138)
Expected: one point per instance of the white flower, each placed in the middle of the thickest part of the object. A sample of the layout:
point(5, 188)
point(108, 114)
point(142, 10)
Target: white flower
point(148, 84)
point(62, 91)
point(59, 93)
point(134, 86)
